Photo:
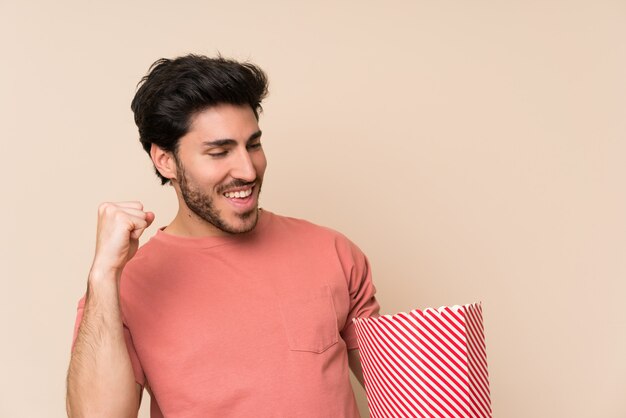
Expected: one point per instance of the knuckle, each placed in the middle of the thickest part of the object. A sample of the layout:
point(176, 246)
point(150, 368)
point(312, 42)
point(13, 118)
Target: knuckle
point(105, 209)
point(119, 215)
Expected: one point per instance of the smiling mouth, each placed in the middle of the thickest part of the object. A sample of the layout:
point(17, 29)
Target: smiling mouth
point(240, 194)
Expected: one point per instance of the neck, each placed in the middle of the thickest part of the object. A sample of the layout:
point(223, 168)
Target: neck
point(188, 224)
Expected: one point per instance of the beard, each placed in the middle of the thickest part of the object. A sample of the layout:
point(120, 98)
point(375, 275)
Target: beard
point(202, 204)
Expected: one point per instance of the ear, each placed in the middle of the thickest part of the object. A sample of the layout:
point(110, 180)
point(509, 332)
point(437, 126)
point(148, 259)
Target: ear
point(163, 161)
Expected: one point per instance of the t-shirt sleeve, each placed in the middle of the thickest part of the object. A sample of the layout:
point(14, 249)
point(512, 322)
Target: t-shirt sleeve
point(363, 303)
point(137, 369)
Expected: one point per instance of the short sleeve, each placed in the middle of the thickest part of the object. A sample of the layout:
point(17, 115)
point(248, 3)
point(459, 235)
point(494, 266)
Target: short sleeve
point(363, 303)
point(134, 359)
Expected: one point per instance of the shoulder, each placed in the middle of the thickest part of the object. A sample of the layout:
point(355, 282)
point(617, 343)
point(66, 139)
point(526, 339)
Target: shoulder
point(303, 226)
point(312, 232)
point(151, 255)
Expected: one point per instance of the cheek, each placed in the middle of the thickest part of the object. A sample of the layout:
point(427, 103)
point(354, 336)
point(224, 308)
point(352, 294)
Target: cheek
point(260, 163)
point(207, 176)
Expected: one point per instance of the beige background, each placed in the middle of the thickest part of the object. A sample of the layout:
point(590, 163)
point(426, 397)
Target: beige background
point(473, 149)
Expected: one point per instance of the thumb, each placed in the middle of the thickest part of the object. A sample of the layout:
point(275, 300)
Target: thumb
point(150, 217)
point(136, 233)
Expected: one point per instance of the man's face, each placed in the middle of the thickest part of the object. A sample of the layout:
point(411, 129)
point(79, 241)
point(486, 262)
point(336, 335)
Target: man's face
point(220, 167)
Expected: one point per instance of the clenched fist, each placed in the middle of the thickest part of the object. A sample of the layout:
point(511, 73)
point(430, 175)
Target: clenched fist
point(119, 227)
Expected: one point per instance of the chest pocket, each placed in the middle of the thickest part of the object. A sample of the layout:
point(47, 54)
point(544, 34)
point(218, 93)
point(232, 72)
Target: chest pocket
point(310, 321)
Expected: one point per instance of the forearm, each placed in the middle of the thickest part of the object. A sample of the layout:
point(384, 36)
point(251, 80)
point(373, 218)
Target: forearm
point(100, 380)
point(354, 361)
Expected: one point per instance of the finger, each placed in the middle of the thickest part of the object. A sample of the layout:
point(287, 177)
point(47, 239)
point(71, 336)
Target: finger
point(108, 208)
point(133, 204)
point(138, 225)
point(132, 212)
point(150, 217)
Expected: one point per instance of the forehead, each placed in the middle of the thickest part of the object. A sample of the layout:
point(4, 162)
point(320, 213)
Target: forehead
point(224, 121)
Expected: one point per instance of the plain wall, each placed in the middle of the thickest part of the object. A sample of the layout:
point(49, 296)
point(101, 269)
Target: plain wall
point(474, 150)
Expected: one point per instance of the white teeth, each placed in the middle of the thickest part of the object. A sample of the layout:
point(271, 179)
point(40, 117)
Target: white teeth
point(239, 195)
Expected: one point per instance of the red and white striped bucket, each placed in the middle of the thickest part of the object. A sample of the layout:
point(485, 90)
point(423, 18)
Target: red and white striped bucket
point(429, 363)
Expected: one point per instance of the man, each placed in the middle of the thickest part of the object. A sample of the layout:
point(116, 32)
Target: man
point(230, 310)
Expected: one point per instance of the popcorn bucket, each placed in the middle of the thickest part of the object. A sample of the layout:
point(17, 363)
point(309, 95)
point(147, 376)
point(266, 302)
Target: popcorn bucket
point(429, 363)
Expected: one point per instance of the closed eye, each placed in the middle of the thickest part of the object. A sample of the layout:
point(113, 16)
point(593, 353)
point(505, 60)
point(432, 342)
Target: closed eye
point(218, 154)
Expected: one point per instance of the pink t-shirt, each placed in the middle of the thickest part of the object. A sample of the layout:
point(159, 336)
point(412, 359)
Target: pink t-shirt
point(249, 325)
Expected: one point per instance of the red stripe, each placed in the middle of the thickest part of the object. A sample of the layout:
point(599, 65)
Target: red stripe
point(424, 396)
point(434, 376)
point(438, 352)
point(472, 310)
point(475, 391)
point(422, 384)
point(458, 319)
point(372, 397)
point(429, 363)
point(381, 370)
point(379, 404)
point(476, 324)
point(425, 332)
point(460, 382)
point(432, 332)
point(409, 328)
point(371, 361)
point(480, 382)
point(430, 383)
point(386, 369)
point(475, 366)
point(450, 325)
point(437, 324)
point(479, 354)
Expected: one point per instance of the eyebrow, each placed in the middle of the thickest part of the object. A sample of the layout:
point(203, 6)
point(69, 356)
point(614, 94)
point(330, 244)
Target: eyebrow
point(229, 141)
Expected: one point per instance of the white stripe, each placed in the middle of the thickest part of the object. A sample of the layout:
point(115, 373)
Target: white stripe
point(426, 346)
point(407, 354)
point(429, 394)
point(373, 358)
point(426, 375)
point(431, 331)
point(383, 358)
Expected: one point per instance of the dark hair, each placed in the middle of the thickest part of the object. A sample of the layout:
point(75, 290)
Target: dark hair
point(174, 90)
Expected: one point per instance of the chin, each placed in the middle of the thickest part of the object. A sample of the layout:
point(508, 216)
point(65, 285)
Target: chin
point(242, 223)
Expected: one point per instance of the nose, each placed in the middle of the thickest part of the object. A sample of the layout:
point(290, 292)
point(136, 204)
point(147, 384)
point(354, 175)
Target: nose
point(243, 168)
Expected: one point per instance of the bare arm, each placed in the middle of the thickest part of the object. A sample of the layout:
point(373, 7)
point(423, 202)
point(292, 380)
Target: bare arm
point(354, 360)
point(100, 380)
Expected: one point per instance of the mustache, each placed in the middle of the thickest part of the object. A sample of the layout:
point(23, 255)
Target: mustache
point(237, 183)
